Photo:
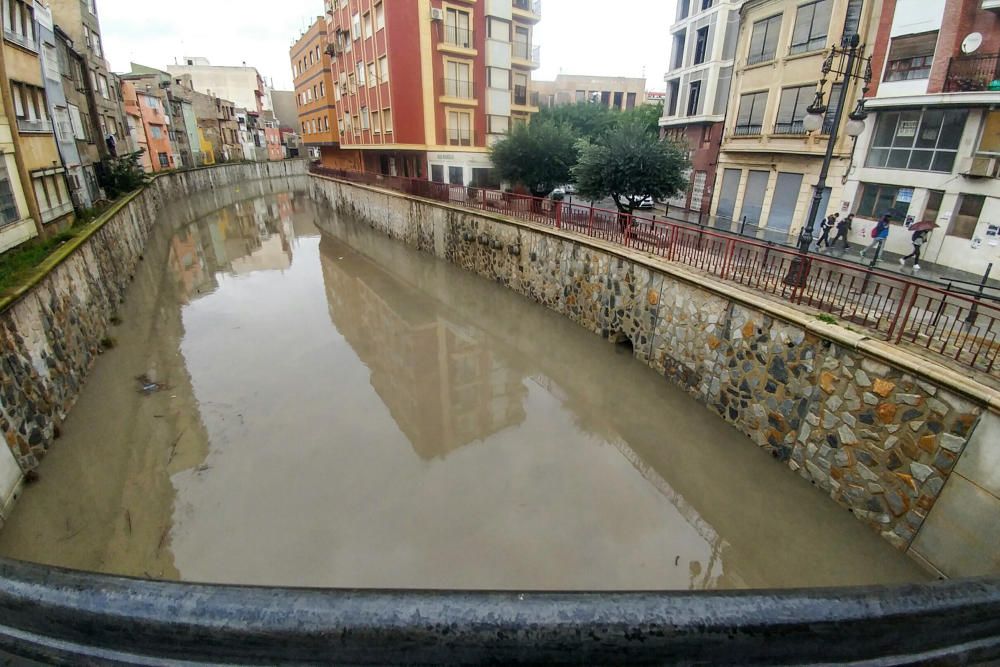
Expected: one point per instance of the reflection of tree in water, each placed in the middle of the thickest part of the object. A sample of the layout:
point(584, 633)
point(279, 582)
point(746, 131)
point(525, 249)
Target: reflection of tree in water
point(443, 386)
point(247, 236)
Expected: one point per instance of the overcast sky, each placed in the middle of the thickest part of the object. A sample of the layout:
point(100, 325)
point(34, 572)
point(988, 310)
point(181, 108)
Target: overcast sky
point(576, 36)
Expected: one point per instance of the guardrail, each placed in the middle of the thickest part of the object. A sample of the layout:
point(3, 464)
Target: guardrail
point(58, 616)
point(963, 328)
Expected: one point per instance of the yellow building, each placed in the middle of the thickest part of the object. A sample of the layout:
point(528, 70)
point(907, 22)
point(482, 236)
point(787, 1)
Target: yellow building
point(769, 165)
point(16, 222)
point(37, 157)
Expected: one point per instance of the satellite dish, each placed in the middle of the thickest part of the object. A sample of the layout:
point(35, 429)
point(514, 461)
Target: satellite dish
point(972, 42)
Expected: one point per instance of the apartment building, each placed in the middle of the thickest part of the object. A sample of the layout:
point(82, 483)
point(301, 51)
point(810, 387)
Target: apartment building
point(242, 85)
point(699, 76)
point(931, 149)
point(312, 74)
point(423, 88)
point(34, 140)
point(768, 163)
point(614, 92)
point(78, 19)
point(78, 94)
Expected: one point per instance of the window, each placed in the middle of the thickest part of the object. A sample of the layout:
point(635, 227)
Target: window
point(314, 96)
point(683, 9)
point(340, 126)
point(383, 68)
point(673, 96)
point(387, 120)
point(852, 21)
point(964, 222)
point(97, 45)
point(369, 30)
point(30, 107)
point(322, 89)
point(372, 75)
point(694, 98)
point(50, 62)
point(8, 205)
point(352, 85)
point(750, 118)
point(456, 175)
point(92, 7)
point(792, 109)
point(379, 16)
point(677, 50)
point(497, 29)
point(706, 4)
point(521, 44)
point(581, 96)
point(51, 194)
point(917, 140)
point(498, 124)
point(437, 173)
point(498, 78)
point(359, 71)
point(102, 84)
point(365, 119)
point(156, 131)
point(910, 57)
point(19, 22)
point(151, 102)
point(376, 122)
point(764, 40)
point(700, 45)
point(933, 207)
point(457, 81)
point(520, 89)
point(831, 107)
point(459, 128)
point(356, 26)
point(456, 28)
point(877, 200)
point(811, 24)
point(164, 160)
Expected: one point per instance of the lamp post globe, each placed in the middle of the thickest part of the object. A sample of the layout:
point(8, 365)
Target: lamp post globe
point(812, 122)
point(854, 127)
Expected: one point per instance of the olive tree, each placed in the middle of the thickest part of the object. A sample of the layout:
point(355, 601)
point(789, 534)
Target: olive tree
point(538, 155)
point(628, 165)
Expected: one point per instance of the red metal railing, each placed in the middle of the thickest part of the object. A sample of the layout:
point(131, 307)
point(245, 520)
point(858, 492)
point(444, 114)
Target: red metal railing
point(963, 328)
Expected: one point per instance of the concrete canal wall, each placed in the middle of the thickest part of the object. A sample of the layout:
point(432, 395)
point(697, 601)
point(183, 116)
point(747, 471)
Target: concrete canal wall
point(51, 330)
point(910, 447)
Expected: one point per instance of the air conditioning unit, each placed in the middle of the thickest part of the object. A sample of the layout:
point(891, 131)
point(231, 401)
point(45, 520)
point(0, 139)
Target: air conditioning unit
point(437, 14)
point(979, 166)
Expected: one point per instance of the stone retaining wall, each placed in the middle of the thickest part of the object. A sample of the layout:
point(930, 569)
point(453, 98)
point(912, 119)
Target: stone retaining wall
point(878, 429)
point(51, 331)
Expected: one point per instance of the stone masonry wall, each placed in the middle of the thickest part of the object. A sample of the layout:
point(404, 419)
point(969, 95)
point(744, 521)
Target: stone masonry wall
point(51, 335)
point(878, 440)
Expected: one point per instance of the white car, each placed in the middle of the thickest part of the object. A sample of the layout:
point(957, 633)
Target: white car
point(644, 202)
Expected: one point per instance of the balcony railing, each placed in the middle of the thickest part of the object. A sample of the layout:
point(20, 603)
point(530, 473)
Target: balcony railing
point(524, 97)
point(755, 58)
point(26, 125)
point(794, 127)
point(459, 137)
point(460, 88)
point(523, 51)
point(533, 6)
point(460, 37)
point(747, 130)
point(972, 73)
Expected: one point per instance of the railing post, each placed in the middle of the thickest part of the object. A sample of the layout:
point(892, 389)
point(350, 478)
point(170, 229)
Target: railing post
point(730, 248)
point(628, 231)
point(899, 312)
point(559, 206)
point(590, 222)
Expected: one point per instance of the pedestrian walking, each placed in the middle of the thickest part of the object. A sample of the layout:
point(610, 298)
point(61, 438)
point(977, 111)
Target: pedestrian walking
point(879, 234)
point(843, 230)
point(826, 226)
point(918, 239)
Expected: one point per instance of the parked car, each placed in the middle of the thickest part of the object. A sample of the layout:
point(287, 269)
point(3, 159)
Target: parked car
point(568, 188)
point(645, 202)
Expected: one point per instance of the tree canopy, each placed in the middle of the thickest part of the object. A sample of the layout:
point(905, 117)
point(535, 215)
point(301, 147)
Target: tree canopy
point(591, 121)
point(628, 165)
point(538, 155)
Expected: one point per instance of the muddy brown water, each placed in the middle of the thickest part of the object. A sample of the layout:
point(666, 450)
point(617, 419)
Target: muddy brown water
point(333, 408)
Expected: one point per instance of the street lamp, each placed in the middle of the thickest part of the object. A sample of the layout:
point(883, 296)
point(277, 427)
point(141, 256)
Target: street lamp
point(849, 67)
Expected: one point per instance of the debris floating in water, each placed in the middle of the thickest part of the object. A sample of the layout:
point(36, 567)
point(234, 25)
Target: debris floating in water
point(148, 386)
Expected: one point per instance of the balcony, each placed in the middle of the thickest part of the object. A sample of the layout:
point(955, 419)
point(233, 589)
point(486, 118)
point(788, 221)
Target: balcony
point(526, 55)
point(460, 89)
point(973, 73)
point(459, 137)
point(747, 130)
point(528, 10)
point(33, 125)
point(794, 127)
point(459, 38)
point(523, 98)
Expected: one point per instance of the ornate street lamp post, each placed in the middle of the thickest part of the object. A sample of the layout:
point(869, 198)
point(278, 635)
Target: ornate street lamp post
point(852, 67)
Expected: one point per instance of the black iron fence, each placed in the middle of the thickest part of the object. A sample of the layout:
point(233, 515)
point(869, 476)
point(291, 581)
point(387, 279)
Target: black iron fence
point(973, 73)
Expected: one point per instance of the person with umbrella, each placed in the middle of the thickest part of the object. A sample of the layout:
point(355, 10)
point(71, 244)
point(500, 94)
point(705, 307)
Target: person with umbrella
point(921, 231)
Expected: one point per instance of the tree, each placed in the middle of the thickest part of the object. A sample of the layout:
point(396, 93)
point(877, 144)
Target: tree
point(587, 120)
point(646, 114)
point(121, 175)
point(628, 165)
point(538, 155)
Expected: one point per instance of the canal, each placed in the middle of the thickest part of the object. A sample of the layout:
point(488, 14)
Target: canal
point(290, 398)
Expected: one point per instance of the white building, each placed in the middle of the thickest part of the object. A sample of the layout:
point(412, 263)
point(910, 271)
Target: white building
point(931, 147)
point(241, 85)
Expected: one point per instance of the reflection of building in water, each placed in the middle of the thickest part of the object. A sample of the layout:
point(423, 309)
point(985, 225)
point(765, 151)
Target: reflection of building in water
point(443, 386)
point(248, 236)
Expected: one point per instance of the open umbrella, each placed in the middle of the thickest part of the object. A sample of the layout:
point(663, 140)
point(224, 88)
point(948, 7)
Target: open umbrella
point(921, 226)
